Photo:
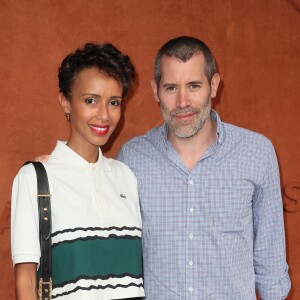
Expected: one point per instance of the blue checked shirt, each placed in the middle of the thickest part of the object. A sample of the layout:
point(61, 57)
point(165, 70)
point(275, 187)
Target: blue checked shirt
point(215, 232)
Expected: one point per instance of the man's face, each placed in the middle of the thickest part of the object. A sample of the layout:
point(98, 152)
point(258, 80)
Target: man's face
point(185, 95)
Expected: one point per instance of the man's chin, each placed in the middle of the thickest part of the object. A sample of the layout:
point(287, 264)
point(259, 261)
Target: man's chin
point(185, 134)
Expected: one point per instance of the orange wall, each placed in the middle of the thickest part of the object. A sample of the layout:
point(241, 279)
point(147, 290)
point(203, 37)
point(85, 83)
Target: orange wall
point(257, 46)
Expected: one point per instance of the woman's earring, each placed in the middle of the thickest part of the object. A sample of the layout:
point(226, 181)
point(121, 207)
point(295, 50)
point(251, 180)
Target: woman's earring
point(68, 116)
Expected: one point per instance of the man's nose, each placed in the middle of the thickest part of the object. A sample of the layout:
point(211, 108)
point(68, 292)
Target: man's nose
point(183, 98)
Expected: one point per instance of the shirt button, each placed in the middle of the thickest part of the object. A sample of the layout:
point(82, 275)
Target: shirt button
point(191, 262)
point(192, 209)
point(191, 182)
point(191, 236)
point(191, 289)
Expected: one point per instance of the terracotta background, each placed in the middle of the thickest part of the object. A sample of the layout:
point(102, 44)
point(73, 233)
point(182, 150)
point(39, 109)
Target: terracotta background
point(256, 44)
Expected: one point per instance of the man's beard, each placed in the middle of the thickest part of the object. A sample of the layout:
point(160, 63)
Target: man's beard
point(188, 128)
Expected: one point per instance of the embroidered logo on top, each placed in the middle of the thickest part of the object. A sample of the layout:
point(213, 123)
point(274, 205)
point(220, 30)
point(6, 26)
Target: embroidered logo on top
point(122, 196)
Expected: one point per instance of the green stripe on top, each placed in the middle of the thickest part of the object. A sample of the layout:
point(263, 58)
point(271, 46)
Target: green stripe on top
point(92, 258)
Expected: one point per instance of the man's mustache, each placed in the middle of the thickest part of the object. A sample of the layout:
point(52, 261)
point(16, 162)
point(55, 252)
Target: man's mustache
point(184, 110)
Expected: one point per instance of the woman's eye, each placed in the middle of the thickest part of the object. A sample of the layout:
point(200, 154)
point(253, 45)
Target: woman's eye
point(115, 102)
point(90, 101)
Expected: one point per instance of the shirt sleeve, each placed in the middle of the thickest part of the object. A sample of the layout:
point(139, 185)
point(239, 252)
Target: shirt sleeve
point(137, 204)
point(271, 270)
point(25, 244)
point(120, 155)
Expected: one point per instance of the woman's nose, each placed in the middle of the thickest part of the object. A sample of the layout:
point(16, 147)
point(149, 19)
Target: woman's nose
point(102, 112)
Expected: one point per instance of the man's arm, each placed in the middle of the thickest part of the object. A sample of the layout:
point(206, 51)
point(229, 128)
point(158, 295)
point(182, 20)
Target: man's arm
point(42, 158)
point(271, 270)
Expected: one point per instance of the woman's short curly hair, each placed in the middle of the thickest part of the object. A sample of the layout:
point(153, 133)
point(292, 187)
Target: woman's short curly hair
point(105, 57)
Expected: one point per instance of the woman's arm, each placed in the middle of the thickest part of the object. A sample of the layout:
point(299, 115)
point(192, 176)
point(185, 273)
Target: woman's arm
point(26, 281)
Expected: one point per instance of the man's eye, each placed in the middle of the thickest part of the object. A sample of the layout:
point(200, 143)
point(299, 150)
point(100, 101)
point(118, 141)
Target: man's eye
point(194, 86)
point(170, 89)
point(90, 101)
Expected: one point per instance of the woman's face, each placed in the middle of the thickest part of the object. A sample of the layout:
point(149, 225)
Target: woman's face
point(95, 109)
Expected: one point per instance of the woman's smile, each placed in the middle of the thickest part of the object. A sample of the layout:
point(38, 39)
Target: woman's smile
point(99, 129)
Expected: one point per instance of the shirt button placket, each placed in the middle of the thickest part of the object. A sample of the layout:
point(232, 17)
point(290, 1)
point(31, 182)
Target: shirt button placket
point(190, 237)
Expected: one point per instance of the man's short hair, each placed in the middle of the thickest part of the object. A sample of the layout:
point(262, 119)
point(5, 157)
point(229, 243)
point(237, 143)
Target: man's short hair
point(183, 48)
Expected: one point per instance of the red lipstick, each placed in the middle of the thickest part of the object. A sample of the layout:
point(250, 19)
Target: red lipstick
point(99, 130)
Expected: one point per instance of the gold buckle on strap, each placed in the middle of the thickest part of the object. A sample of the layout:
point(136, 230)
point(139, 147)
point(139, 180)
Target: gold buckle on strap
point(46, 195)
point(41, 282)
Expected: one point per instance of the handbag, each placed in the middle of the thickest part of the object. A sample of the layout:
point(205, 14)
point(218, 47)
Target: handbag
point(44, 208)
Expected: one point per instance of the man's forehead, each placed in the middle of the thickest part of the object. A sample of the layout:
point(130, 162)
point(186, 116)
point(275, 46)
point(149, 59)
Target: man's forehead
point(172, 67)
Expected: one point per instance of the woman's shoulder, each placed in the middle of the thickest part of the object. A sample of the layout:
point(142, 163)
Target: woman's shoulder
point(25, 179)
point(119, 168)
point(26, 170)
point(116, 164)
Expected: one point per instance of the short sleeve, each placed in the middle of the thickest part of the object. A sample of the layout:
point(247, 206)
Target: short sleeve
point(25, 244)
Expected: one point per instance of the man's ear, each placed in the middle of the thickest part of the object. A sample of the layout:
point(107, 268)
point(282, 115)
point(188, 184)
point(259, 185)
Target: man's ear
point(64, 102)
point(155, 89)
point(214, 84)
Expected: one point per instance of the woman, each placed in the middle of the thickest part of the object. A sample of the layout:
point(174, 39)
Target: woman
point(96, 225)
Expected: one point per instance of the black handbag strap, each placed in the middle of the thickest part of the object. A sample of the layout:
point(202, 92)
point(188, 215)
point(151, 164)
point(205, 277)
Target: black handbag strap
point(44, 208)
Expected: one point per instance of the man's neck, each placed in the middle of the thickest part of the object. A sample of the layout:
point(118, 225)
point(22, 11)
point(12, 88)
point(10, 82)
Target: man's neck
point(192, 149)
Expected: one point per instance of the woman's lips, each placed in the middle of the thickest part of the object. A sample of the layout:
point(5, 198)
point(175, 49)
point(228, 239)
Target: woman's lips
point(99, 130)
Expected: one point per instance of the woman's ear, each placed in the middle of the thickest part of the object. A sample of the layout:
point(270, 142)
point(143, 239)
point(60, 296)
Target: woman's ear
point(64, 102)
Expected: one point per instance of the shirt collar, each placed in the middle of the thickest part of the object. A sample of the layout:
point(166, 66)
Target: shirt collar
point(220, 127)
point(66, 155)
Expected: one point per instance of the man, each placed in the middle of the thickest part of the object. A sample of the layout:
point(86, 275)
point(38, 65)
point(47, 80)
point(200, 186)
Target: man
point(209, 191)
